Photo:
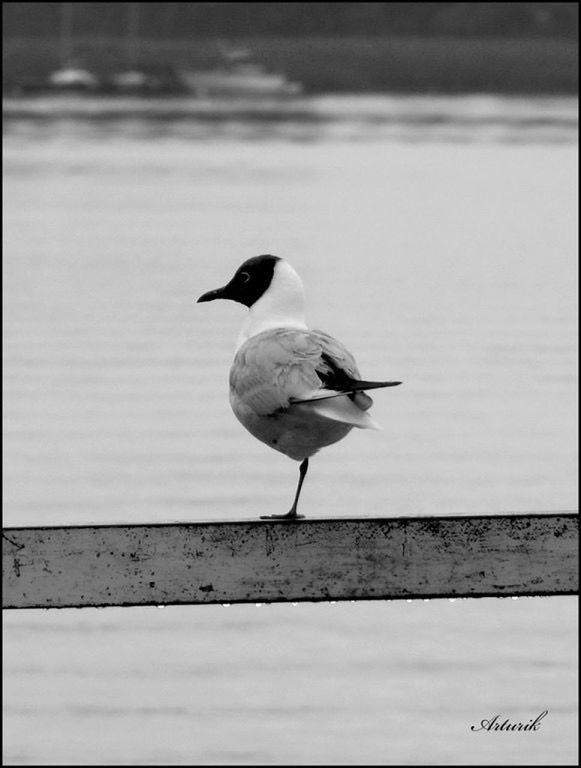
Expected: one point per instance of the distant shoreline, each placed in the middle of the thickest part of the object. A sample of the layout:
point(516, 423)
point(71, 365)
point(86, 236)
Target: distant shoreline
point(355, 117)
point(333, 65)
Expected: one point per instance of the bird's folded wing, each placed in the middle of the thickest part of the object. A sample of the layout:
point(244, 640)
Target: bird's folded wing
point(280, 368)
point(335, 353)
point(275, 367)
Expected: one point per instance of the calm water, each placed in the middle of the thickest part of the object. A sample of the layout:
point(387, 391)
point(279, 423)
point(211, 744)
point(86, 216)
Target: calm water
point(444, 256)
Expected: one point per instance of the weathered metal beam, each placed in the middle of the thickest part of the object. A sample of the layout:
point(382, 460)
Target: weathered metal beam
point(278, 561)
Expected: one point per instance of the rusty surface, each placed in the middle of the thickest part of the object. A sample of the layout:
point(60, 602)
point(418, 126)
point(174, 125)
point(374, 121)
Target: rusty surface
point(278, 561)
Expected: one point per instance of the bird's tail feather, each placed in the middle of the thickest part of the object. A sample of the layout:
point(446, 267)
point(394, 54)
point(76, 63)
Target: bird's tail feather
point(355, 385)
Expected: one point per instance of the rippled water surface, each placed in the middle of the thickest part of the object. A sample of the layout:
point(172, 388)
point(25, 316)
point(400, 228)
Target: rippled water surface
point(447, 261)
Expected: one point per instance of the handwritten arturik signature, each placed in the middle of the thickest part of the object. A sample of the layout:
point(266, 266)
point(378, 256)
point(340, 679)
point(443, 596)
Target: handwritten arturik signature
point(495, 724)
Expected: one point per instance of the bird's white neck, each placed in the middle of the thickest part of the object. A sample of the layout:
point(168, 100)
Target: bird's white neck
point(282, 305)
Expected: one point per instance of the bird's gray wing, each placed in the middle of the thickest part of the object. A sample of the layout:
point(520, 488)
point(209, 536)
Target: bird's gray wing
point(283, 368)
point(275, 367)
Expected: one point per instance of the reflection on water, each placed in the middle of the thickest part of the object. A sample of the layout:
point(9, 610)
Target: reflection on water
point(448, 265)
point(328, 118)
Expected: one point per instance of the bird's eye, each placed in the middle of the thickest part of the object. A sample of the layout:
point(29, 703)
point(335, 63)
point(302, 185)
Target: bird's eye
point(244, 277)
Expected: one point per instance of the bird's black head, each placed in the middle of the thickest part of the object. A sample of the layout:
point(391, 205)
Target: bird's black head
point(249, 283)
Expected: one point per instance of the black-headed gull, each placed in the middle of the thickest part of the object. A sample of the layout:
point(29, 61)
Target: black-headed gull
point(295, 389)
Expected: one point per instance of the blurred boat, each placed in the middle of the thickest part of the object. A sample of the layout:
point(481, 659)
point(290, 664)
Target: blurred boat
point(71, 75)
point(73, 78)
point(239, 77)
point(145, 81)
point(131, 80)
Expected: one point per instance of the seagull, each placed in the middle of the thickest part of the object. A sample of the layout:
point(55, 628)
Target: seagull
point(295, 389)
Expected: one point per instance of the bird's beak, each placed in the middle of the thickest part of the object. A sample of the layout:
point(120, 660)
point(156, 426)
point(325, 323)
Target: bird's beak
point(219, 293)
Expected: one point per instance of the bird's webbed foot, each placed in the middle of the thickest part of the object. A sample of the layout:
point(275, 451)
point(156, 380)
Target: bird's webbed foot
point(292, 515)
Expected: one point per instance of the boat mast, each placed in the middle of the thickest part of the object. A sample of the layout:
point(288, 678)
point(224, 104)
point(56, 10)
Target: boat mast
point(133, 14)
point(66, 34)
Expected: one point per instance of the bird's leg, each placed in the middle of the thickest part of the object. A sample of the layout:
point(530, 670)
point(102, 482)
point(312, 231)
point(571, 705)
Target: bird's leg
point(302, 474)
point(292, 513)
